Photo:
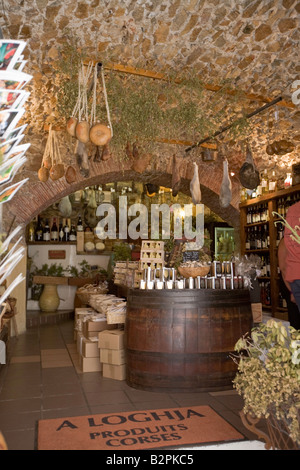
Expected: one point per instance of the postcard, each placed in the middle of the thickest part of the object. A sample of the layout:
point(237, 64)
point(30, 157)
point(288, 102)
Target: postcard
point(8, 193)
point(12, 99)
point(7, 145)
point(15, 132)
point(9, 120)
point(10, 51)
point(13, 79)
point(10, 168)
point(18, 150)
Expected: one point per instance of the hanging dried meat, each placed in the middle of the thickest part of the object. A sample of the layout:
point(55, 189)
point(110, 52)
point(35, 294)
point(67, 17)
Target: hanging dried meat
point(249, 176)
point(195, 186)
point(176, 178)
point(225, 191)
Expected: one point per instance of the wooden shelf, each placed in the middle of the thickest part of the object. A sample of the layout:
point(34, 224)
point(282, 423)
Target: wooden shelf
point(52, 243)
point(271, 199)
point(271, 196)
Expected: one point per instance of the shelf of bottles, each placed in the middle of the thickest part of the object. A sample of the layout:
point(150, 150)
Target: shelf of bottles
point(55, 230)
point(261, 236)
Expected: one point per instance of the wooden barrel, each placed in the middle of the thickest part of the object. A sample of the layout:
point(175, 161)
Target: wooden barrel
point(180, 340)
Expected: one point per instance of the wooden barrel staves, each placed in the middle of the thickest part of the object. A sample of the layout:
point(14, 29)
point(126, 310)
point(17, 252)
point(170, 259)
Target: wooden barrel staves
point(180, 340)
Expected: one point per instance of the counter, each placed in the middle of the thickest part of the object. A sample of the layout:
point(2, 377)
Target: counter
point(180, 340)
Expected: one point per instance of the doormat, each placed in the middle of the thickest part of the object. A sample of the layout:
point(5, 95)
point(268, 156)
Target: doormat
point(136, 430)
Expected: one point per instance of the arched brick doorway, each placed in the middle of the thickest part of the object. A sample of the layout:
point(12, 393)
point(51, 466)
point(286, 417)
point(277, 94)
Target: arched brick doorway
point(35, 196)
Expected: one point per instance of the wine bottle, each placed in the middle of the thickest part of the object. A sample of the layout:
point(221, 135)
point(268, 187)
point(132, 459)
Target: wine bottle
point(67, 231)
point(46, 232)
point(54, 231)
point(61, 232)
point(79, 227)
point(73, 236)
point(265, 182)
point(39, 231)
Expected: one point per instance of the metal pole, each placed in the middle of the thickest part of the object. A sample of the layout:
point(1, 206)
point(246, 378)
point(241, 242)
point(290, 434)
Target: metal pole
point(224, 129)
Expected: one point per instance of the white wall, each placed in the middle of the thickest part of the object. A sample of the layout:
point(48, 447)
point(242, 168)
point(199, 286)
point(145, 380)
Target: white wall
point(39, 256)
point(19, 293)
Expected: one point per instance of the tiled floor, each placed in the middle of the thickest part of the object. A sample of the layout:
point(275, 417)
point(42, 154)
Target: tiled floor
point(42, 380)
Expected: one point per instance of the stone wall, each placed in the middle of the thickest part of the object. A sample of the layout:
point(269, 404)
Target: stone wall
point(253, 44)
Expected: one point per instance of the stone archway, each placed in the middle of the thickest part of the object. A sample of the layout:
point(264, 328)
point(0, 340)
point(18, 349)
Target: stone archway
point(35, 196)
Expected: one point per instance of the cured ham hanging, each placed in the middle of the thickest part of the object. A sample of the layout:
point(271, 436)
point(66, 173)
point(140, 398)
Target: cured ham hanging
point(226, 186)
point(195, 186)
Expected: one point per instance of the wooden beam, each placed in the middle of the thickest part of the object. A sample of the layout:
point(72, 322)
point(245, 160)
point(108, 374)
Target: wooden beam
point(163, 141)
point(214, 88)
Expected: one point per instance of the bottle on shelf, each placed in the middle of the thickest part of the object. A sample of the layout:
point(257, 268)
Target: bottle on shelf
point(61, 233)
point(79, 227)
point(39, 231)
point(46, 232)
point(54, 231)
point(67, 231)
point(272, 183)
point(259, 238)
point(247, 244)
point(73, 236)
point(265, 182)
point(31, 231)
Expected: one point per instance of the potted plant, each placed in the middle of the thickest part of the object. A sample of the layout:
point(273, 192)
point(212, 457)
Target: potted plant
point(268, 379)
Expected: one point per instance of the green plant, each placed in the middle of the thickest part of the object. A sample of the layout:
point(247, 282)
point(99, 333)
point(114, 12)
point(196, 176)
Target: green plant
point(144, 109)
point(268, 375)
point(122, 252)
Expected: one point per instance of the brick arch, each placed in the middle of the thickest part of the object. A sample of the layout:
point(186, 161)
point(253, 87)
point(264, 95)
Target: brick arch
point(36, 196)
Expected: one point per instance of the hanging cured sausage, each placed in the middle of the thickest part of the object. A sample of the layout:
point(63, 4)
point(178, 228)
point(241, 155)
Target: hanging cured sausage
point(195, 186)
point(225, 191)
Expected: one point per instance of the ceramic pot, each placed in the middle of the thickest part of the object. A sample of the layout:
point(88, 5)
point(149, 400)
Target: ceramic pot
point(49, 300)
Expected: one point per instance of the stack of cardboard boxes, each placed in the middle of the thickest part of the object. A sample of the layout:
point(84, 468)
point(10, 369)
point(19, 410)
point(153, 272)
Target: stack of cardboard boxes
point(100, 345)
point(112, 354)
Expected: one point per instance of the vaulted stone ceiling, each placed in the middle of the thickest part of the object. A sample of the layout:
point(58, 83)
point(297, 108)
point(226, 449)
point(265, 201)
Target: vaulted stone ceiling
point(253, 44)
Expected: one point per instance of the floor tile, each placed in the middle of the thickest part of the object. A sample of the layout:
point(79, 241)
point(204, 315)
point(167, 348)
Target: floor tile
point(43, 381)
point(22, 359)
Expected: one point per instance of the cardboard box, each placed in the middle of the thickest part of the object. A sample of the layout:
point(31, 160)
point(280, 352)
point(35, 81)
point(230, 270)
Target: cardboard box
point(111, 339)
point(90, 348)
point(114, 372)
point(113, 356)
point(93, 327)
point(80, 312)
point(90, 364)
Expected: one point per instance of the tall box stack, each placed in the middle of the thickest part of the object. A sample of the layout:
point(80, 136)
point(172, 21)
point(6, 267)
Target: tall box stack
point(89, 324)
point(112, 354)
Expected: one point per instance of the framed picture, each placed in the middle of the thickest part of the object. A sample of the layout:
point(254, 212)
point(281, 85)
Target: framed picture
point(9, 120)
point(10, 51)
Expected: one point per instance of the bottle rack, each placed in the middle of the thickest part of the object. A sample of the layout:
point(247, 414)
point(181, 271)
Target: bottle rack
point(254, 219)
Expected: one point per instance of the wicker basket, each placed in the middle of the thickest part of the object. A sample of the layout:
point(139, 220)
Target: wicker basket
point(193, 272)
point(84, 293)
